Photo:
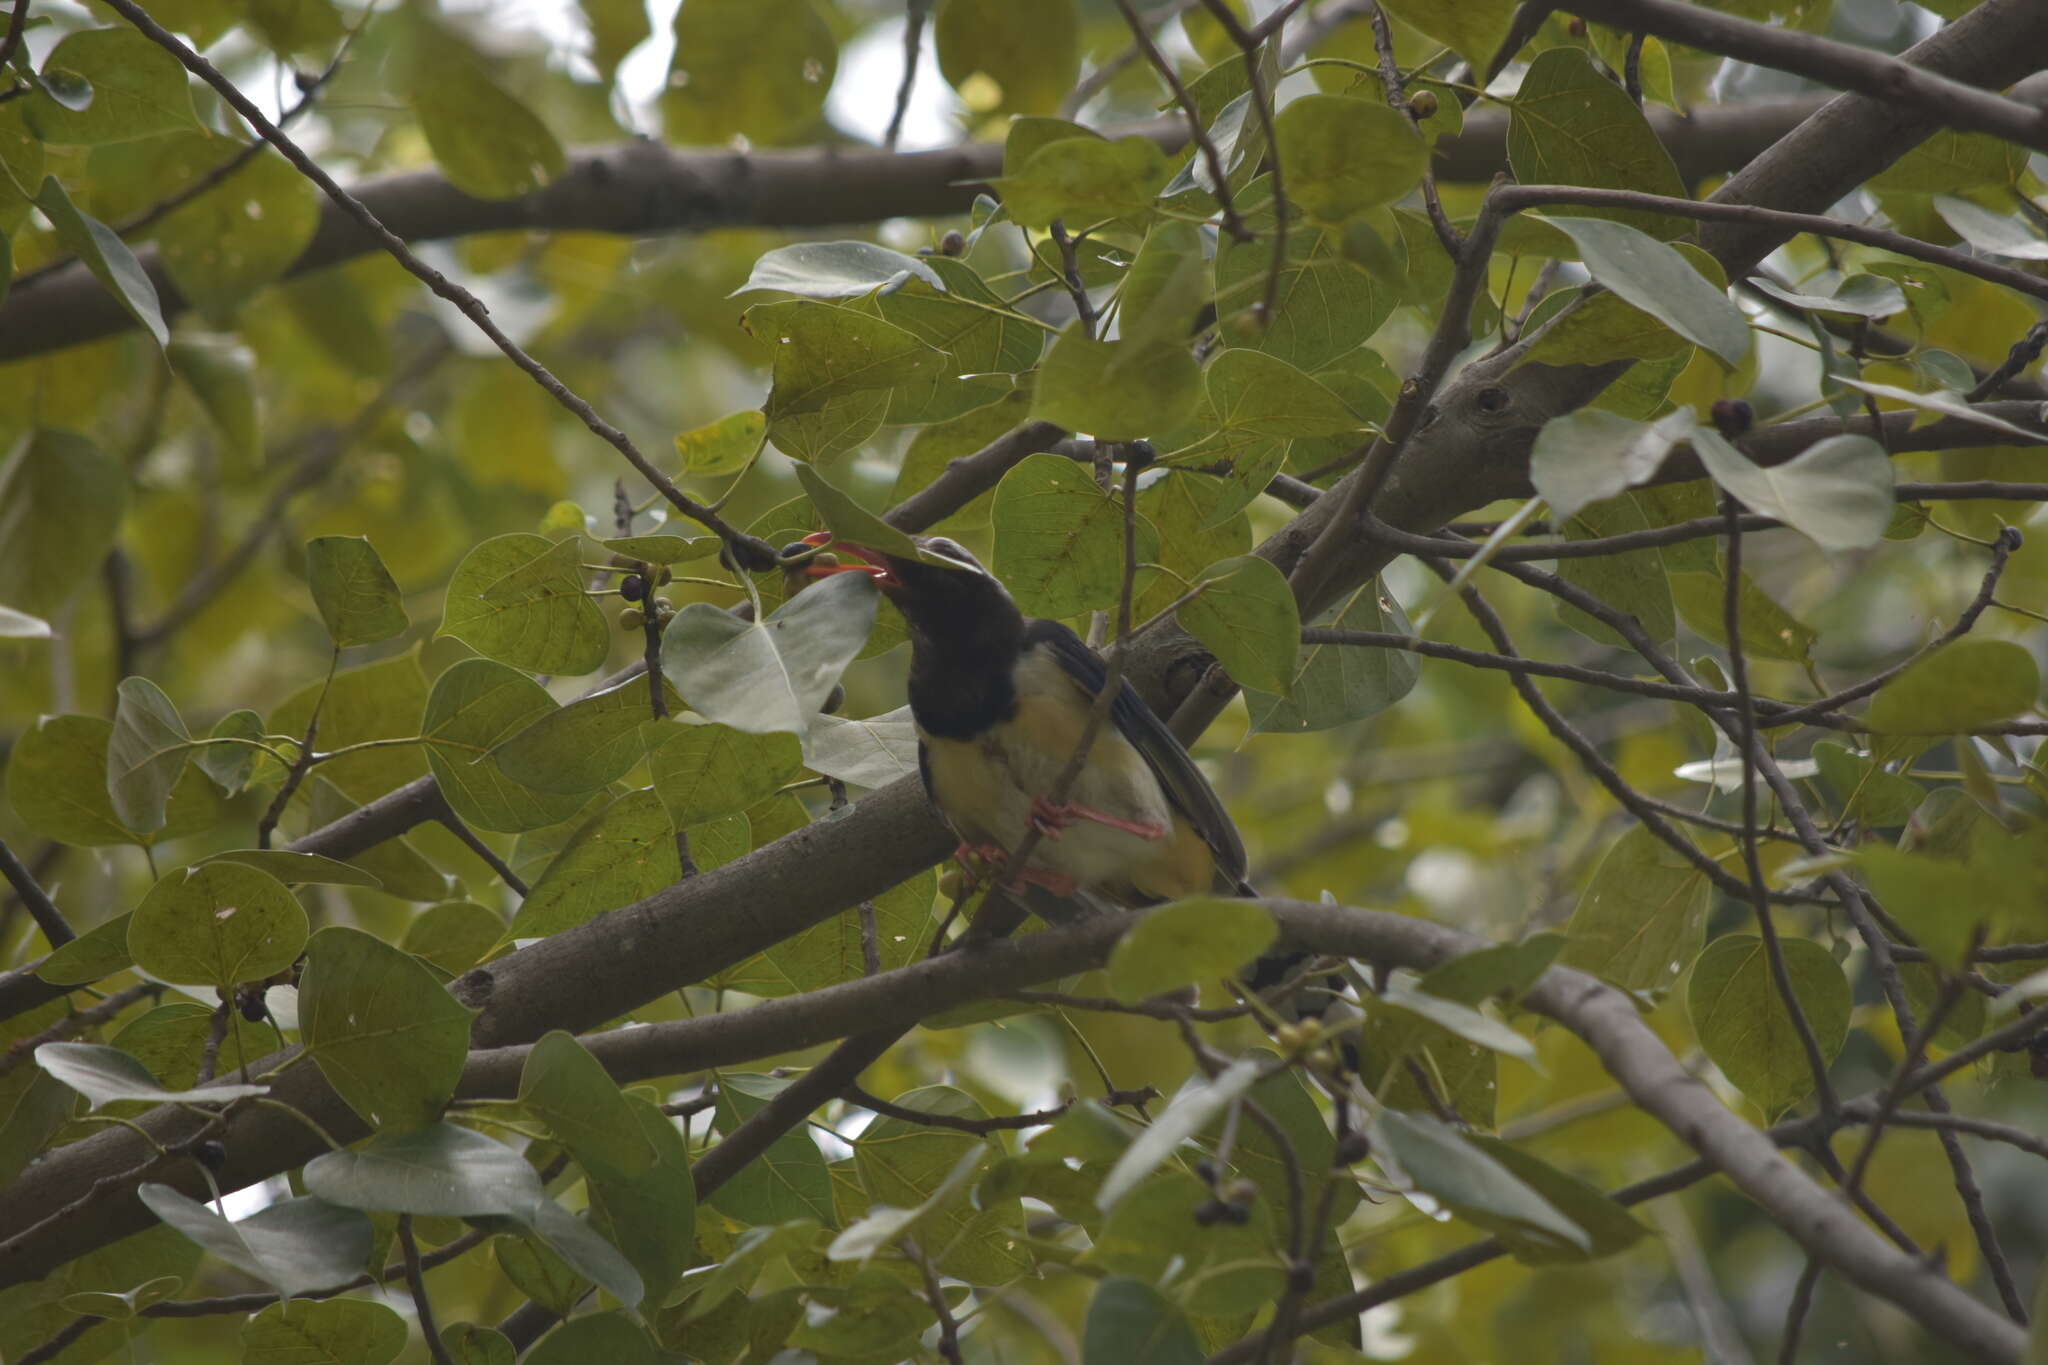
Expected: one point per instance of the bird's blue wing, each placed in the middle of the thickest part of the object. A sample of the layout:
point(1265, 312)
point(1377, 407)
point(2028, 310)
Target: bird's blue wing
point(1178, 776)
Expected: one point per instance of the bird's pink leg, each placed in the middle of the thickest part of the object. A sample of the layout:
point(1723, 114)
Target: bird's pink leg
point(1050, 819)
point(990, 855)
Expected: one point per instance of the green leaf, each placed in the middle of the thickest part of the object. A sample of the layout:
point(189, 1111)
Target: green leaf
point(216, 925)
point(1326, 306)
point(229, 765)
point(1869, 795)
point(539, 1273)
point(1633, 581)
point(1226, 1267)
point(241, 235)
point(137, 89)
point(383, 700)
point(1838, 491)
point(1346, 155)
point(57, 784)
point(616, 28)
point(220, 372)
point(788, 1180)
point(453, 935)
point(1768, 630)
point(823, 351)
point(1661, 282)
point(568, 1089)
point(1474, 29)
point(992, 346)
point(1639, 921)
point(1467, 1180)
point(1990, 232)
point(124, 1306)
point(1193, 1109)
point(862, 753)
point(610, 1337)
point(1059, 538)
point(723, 447)
point(440, 1171)
point(287, 866)
point(1571, 125)
point(1266, 396)
point(758, 69)
point(1945, 404)
point(650, 1216)
point(915, 1166)
point(1744, 1027)
point(1337, 684)
point(1958, 689)
point(1507, 969)
point(1465, 1021)
point(579, 748)
point(1131, 1323)
point(387, 1036)
point(1609, 1227)
point(1860, 296)
point(296, 1246)
point(474, 707)
point(624, 853)
point(98, 952)
point(1030, 54)
point(663, 549)
point(884, 1225)
point(849, 521)
point(1084, 180)
point(519, 599)
point(340, 1331)
point(106, 1074)
point(773, 675)
point(19, 625)
point(357, 597)
point(1587, 455)
point(704, 771)
point(832, 952)
point(837, 270)
point(109, 258)
point(61, 502)
point(1167, 285)
point(1189, 941)
point(1949, 160)
point(145, 754)
point(1247, 617)
point(1116, 390)
point(487, 142)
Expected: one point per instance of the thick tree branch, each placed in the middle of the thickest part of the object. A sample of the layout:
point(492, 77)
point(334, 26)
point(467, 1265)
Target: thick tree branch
point(646, 189)
point(1952, 102)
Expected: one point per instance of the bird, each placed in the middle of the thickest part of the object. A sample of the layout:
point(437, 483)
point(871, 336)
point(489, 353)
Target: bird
point(1000, 702)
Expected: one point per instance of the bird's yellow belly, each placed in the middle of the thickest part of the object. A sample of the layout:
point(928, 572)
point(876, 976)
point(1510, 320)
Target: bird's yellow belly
point(986, 786)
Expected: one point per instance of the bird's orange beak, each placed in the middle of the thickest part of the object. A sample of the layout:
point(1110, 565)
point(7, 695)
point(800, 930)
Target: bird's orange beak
point(871, 562)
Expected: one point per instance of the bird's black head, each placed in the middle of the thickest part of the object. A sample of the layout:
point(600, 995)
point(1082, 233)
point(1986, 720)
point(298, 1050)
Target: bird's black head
point(946, 596)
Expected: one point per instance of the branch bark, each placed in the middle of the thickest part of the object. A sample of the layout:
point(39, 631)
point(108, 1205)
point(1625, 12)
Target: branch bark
point(645, 189)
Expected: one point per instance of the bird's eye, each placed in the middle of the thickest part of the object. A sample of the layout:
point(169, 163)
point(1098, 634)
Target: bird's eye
point(794, 549)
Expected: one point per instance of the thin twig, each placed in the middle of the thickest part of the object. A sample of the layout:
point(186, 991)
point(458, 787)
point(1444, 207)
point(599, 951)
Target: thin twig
point(995, 1123)
point(1205, 147)
point(1262, 105)
point(935, 1295)
point(1070, 275)
point(71, 1025)
point(56, 930)
point(916, 12)
point(1752, 862)
point(416, 1281)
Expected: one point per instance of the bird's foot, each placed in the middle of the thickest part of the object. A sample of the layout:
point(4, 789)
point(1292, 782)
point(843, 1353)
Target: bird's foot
point(1059, 883)
point(974, 856)
point(1050, 820)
